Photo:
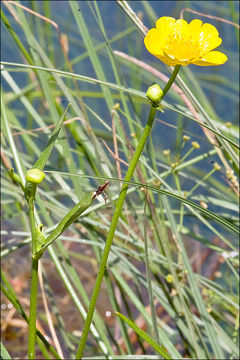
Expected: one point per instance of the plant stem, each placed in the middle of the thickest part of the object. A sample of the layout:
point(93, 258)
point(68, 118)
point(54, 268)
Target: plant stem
point(116, 216)
point(171, 80)
point(112, 229)
point(33, 310)
point(34, 285)
point(32, 222)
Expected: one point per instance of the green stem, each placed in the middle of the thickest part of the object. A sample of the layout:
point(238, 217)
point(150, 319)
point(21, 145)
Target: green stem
point(33, 310)
point(171, 80)
point(34, 285)
point(32, 222)
point(201, 182)
point(116, 216)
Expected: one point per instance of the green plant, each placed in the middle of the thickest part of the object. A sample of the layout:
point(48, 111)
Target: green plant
point(179, 218)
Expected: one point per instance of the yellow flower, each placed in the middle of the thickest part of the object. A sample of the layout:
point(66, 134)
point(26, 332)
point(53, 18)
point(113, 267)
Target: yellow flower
point(176, 42)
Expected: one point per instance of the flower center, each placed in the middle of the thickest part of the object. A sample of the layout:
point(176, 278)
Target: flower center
point(181, 47)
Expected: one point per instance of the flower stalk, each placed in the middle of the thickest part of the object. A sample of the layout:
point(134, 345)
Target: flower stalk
point(34, 274)
point(116, 216)
point(171, 80)
point(33, 178)
point(33, 310)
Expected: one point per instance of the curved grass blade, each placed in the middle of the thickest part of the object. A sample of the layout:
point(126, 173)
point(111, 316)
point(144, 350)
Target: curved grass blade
point(145, 336)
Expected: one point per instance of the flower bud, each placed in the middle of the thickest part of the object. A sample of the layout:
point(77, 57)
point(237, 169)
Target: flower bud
point(156, 182)
point(195, 145)
point(203, 204)
point(229, 173)
point(173, 165)
point(217, 166)
point(166, 152)
point(169, 278)
point(154, 94)
point(186, 138)
point(35, 176)
point(116, 106)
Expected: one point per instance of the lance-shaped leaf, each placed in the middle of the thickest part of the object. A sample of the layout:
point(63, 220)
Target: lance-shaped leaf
point(43, 158)
point(30, 189)
point(68, 219)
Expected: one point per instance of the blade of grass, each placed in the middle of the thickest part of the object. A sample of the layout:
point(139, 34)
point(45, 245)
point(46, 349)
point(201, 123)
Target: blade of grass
point(4, 353)
point(42, 160)
point(145, 336)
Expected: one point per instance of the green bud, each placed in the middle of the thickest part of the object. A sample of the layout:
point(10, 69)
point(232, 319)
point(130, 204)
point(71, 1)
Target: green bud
point(154, 94)
point(116, 106)
point(169, 278)
point(35, 176)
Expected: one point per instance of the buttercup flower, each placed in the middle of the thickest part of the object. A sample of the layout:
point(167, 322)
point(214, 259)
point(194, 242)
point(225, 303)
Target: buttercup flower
point(176, 42)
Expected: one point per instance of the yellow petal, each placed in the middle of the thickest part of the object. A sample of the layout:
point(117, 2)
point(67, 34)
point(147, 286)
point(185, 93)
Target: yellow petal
point(154, 41)
point(166, 60)
point(172, 61)
point(164, 21)
point(180, 27)
point(194, 29)
point(208, 31)
point(208, 45)
point(212, 58)
point(164, 24)
point(194, 26)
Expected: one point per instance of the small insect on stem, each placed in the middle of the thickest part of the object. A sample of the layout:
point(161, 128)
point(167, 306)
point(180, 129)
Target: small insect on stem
point(101, 189)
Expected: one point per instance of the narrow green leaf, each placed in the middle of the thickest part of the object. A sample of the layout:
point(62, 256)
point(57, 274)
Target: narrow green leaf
point(4, 353)
point(145, 336)
point(68, 219)
point(16, 38)
point(41, 162)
